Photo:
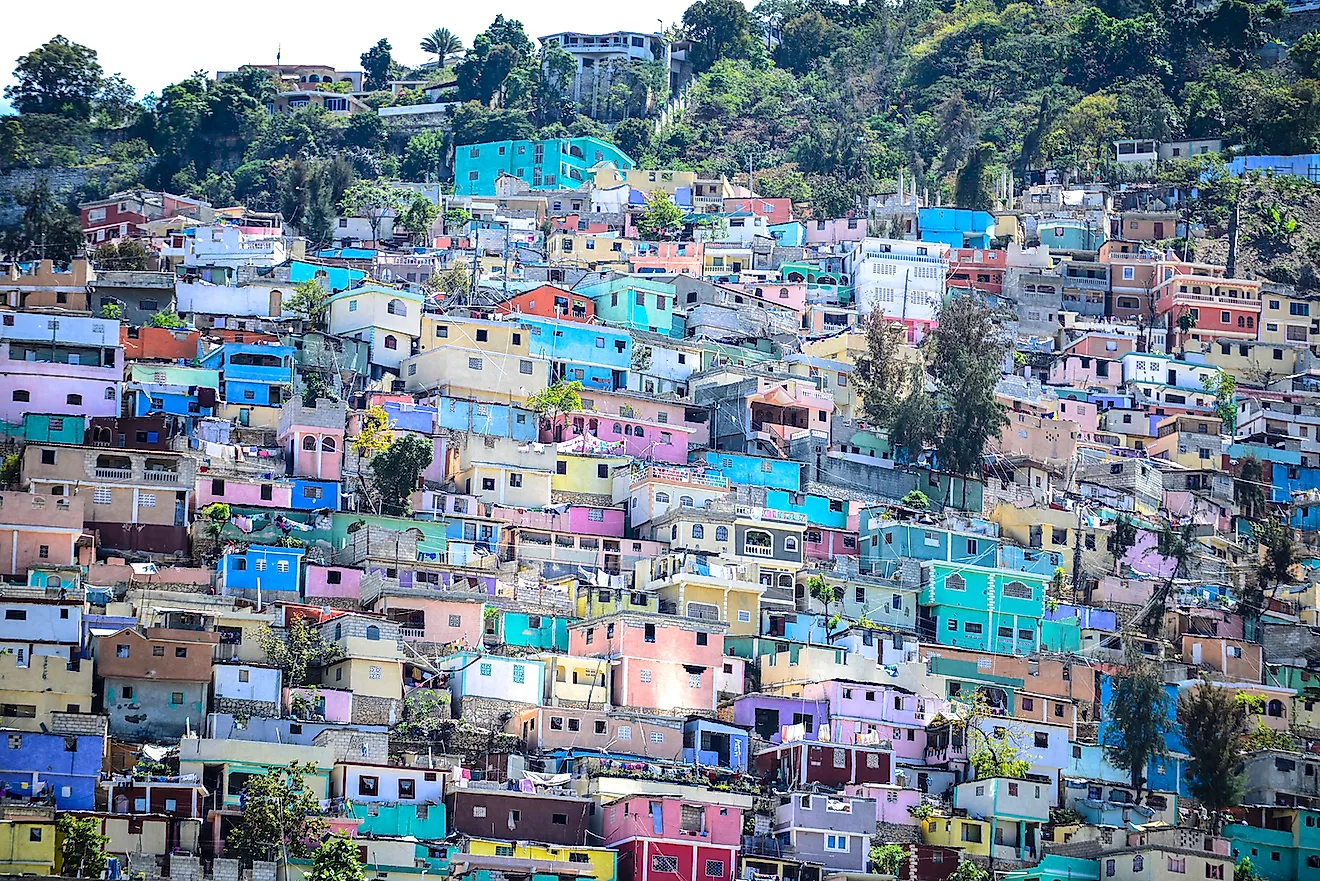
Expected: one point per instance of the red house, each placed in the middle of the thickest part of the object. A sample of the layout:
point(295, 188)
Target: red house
point(773, 210)
point(661, 838)
point(801, 763)
point(119, 216)
point(549, 301)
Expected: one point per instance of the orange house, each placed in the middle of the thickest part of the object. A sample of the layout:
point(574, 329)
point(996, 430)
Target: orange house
point(549, 301)
point(158, 343)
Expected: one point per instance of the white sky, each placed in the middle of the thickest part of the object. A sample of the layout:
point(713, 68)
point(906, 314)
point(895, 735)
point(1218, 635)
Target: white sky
point(155, 45)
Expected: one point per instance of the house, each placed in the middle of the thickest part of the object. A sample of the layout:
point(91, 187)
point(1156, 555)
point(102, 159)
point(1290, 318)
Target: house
point(68, 365)
point(44, 288)
point(156, 681)
point(254, 378)
point(901, 280)
point(802, 763)
point(484, 686)
point(510, 815)
point(1016, 810)
point(250, 689)
point(390, 319)
point(63, 767)
point(715, 745)
point(549, 301)
point(122, 215)
point(659, 835)
point(275, 571)
point(364, 782)
point(833, 831)
point(179, 391)
point(541, 165)
point(665, 663)
point(370, 665)
point(956, 227)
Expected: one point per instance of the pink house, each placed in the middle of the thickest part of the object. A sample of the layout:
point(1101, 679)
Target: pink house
point(861, 711)
point(832, 232)
point(773, 210)
point(243, 491)
point(442, 618)
point(663, 663)
point(891, 802)
point(668, 258)
point(1084, 413)
point(74, 388)
point(654, 833)
point(786, 295)
point(332, 583)
point(37, 530)
point(578, 519)
point(313, 438)
point(648, 410)
point(641, 438)
point(1085, 371)
point(826, 544)
point(328, 703)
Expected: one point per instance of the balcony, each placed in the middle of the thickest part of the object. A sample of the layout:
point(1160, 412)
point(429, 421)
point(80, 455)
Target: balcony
point(160, 477)
point(751, 550)
point(412, 632)
point(766, 846)
point(114, 473)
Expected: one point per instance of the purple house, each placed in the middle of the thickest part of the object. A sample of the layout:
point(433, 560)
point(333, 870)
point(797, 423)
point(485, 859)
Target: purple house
point(767, 714)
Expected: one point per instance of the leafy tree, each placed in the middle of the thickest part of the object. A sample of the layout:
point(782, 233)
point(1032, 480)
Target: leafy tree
point(916, 421)
point(440, 43)
point(916, 500)
point(968, 871)
point(1248, 489)
point(116, 103)
point(419, 217)
point(805, 38)
point(1124, 537)
point(45, 231)
point(1139, 718)
point(377, 63)
point(82, 846)
point(214, 517)
point(165, 318)
point(1212, 733)
point(112, 311)
point(824, 592)
point(971, 188)
point(60, 77)
point(127, 255)
point(374, 201)
point(633, 137)
point(376, 434)
point(1245, 871)
point(398, 469)
point(663, 220)
point(281, 816)
point(887, 859)
point(1280, 552)
point(297, 649)
point(558, 400)
point(315, 387)
point(449, 282)
point(1304, 54)
point(365, 130)
point(456, 218)
point(881, 374)
point(309, 299)
point(337, 860)
point(1223, 385)
point(424, 156)
point(718, 29)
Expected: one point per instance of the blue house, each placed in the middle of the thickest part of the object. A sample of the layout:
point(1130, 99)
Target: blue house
point(251, 375)
point(746, 470)
point(313, 495)
point(541, 632)
point(598, 357)
point(335, 278)
point(791, 235)
point(822, 511)
point(1071, 235)
point(956, 227)
point(492, 420)
point(66, 767)
point(553, 164)
point(886, 543)
point(276, 572)
point(410, 417)
point(715, 745)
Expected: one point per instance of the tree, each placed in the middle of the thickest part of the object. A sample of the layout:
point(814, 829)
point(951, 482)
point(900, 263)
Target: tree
point(376, 65)
point(1305, 54)
point(881, 374)
point(337, 860)
point(424, 156)
point(663, 220)
point(968, 871)
point(126, 255)
point(557, 400)
point(309, 299)
point(60, 77)
point(116, 103)
point(449, 282)
point(718, 29)
point(805, 38)
point(1212, 734)
point(373, 201)
point(1124, 537)
point(214, 517)
point(165, 318)
point(1248, 488)
point(281, 816)
point(297, 649)
point(376, 433)
point(887, 859)
point(970, 187)
point(112, 311)
point(1280, 552)
point(1245, 871)
point(419, 217)
point(315, 388)
point(441, 42)
point(82, 847)
point(824, 592)
point(45, 231)
point(1139, 718)
point(398, 470)
point(365, 130)
point(916, 420)
point(1223, 385)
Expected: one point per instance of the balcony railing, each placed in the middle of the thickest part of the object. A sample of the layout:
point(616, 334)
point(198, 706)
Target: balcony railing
point(412, 632)
point(160, 477)
point(758, 551)
point(114, 473)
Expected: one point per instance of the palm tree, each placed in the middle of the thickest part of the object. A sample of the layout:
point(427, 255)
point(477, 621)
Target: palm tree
point(441, 42)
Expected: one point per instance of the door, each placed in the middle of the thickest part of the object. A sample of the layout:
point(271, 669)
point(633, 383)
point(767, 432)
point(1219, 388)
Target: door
point(1159, 230)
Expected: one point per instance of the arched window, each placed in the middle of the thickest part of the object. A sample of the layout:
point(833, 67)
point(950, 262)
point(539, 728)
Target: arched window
point(685, 501)
point(785, 580)
point(328, 445)
point(637, 431)
point(758, 543)
point(955, 582)
point(662, 497)
point(53, 581)
point(21, 395)
point(721, 533)
point(673, 533)
point(309, 442)
point(698, 531)
point(396, 307)
point(618, 429)
point(1274, 708)
point(391, 342)
point(373, 632)
point(790, 544)
point(110, 393)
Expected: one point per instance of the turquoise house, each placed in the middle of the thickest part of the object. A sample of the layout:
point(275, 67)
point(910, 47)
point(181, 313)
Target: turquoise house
point(886, 543)
point(1071, 235)
point(47, 428)
point(821, 511)
point(554, 164)
point(956, 227)
point(543, 633)
point(400, 820)
point(1053, 867)
point(818, 280)
point(792, 234)
point(981, 608)
point(1283, 843)
point(634, 303)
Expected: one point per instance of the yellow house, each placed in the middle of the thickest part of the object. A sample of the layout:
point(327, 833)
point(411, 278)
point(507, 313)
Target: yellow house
point(45, 683)
point(28, 846)
point(1254, 363)
point(371, 667)
point(586, 475)
point(1286, 318)
point(598, 251)
point(718, 590)
point(968, 833)
point(1050, 530)
point(473, 333)
point(591, 602)
point(836, 377)
point(576, 682)
point(486, 374)
point(599, 859)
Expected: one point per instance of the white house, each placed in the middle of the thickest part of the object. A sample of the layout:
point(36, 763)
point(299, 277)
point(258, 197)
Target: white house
point(363, 781)
point(231, 246)
point(902, 280)
point(518, 680)
point(388, 318)
point(247, 682)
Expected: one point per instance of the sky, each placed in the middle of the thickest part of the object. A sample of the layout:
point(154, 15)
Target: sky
point(153, 48)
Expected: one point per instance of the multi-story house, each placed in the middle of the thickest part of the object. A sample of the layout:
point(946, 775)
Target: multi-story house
point(804, 763)
point(254, 378)
point(551, 728)
point(754, 410)
point(901, 280)
point(981, 607)
point(131, 500)
point(163, 388)
point(122, 215)
point(44, 288)
point(156, 681)
point(659, 835)
point(370, 664)
point(1224, 308)
point(37, 530)
point(313, 439)
point(665, 663)
point(540, 165)
point(477, 360)
point(68, 365)
point(261, 571)
point(390, 319)
point(1016, 810)
point(832, 831)
point(715, 589)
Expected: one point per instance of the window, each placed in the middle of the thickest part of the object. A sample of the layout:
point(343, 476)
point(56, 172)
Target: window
point(644, 675)
point(73, 400)
point(474, 364)
point(515, 479)
point(147, 500)
point(21, 395)
point(836, 843)
point(180, 652)
point(1178, 866)
point(176, 699)
point(664, 864)
point(721, 533)
point(1042, 739)
point(714, 868)
point(15, 615)
point(368, 785)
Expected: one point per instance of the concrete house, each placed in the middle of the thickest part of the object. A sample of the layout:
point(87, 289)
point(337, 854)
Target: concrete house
point(156, 681)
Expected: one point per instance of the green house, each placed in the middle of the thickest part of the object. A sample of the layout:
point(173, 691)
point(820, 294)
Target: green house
point(981, 608)
point(541, 632)
point(634, 303)
point(50, 428)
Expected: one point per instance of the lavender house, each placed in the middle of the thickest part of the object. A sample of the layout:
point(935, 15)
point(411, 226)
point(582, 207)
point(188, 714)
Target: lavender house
point(766, 715)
